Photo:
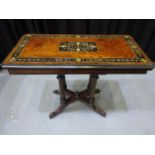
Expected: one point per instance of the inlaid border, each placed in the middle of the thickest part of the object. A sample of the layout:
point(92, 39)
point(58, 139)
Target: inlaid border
point(138, 52)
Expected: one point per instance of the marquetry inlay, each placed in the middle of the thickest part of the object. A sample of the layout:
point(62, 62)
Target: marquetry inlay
point(78, 46)
point(81, 47)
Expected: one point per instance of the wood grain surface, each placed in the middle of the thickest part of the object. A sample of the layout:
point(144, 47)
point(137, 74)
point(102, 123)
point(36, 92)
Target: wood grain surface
point(44, 50)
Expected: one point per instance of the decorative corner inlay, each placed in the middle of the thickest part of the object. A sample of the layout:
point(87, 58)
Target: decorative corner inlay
point(78, 46)
point(21, 46)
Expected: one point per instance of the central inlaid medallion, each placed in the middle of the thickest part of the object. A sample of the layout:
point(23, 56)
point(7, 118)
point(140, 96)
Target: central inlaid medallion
point(78, 46)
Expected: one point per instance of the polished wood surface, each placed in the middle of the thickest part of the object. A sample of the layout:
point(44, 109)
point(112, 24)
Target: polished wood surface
point(42, 51)
point(76, 71)
point(47, 46)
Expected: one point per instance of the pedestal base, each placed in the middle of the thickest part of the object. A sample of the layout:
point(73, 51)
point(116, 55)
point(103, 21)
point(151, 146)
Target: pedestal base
point(86, 96)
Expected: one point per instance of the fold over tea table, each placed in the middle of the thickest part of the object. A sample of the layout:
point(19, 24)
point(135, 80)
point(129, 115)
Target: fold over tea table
point(77, 54)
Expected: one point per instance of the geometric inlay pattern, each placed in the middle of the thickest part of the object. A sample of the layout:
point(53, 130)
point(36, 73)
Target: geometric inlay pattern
point(78, 46)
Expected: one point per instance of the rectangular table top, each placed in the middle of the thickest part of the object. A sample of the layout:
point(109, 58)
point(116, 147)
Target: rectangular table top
point(49, 51)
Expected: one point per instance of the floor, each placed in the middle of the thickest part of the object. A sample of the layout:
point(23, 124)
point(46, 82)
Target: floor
point(26, 101)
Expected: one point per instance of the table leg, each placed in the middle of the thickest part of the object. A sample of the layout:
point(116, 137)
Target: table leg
point(92, 95)
point(89, 82)
point(87, 91)
point(61, 92)
point(93, 88)
point(86, 96)
point(62, 88)
point(63, 78)
point(59, 110)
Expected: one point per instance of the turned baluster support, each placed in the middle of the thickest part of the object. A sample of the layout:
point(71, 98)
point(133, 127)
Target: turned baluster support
point(86, 96)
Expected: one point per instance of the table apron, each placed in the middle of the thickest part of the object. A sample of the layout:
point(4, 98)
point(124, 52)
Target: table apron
point(76, 71)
